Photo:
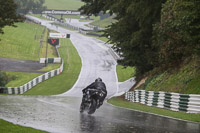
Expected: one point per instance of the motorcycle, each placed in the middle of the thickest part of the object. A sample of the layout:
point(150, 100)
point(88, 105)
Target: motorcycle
point(90, 101)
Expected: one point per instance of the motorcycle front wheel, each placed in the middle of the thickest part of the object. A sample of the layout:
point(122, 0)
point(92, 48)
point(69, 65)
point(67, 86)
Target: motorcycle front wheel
point(92, 107)
point(82, 107)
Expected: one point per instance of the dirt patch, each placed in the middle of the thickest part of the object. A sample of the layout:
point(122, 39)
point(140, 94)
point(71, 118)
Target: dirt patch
point(140, 82)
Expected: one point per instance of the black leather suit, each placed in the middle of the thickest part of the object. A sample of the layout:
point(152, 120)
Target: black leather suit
point(98, 85)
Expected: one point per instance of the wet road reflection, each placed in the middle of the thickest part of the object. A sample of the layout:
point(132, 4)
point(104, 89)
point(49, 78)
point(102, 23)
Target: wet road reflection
point(61, 115)
point(88, 123)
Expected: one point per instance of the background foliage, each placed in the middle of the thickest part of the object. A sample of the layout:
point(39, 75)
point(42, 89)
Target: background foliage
point(133, 30)
point(3, 79)
point(8, 14)
point(151, 34)
point(24, 6)
point(177, 34)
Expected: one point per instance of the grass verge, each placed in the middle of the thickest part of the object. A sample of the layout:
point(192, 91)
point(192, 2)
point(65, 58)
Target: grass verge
point(22, 42)
point(63, 4)
point(183, 80)
point(104, 39)
point(125, 73)
point(38, 16)
point(105, 22)
point(50, 67)
point(7, 127)
point(47, 48)
point(119, 101)
point(61, 83)
point(20, 78)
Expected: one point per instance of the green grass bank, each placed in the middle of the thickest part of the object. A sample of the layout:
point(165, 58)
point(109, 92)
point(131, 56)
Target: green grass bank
point(23, 42)
point(7, 127)
point(105, 22)
point(124, 73)
point(20, 42)
point(185, 79)
point(63, 4)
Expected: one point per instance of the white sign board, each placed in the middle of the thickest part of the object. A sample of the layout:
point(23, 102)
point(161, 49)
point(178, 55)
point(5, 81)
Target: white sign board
point(64, 12)
point(58, 35)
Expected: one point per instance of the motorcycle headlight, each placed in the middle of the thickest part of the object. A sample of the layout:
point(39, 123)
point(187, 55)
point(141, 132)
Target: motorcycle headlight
point(101, 94)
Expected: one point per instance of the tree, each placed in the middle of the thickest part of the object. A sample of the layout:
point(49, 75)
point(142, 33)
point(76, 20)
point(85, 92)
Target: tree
point(24, 6)
point(133, 30)
point(177, 34)
point(3, 79)
point(8, 14)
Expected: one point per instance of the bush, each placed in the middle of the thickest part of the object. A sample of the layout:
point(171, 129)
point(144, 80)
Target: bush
point(3, 79)
point(177, 35)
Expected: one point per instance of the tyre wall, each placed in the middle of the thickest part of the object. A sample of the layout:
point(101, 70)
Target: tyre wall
point(189, 103)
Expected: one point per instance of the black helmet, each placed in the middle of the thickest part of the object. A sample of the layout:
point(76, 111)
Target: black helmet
point(98, 80)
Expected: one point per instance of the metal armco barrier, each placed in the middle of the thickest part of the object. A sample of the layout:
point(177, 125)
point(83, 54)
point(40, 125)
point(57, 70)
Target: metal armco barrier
point(189, 103)
point(32, 83)
point(67, 25)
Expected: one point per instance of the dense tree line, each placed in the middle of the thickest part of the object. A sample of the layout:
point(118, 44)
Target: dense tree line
point(24, 6)
point(151, 33)
point(10, 10)
point(176, 35)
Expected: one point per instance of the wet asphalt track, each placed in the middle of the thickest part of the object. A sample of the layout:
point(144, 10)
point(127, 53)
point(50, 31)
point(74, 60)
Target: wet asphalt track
point(61, 113)
point(15, 65)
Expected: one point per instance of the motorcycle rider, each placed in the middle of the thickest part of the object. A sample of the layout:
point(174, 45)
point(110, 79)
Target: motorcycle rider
point(99, 85)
